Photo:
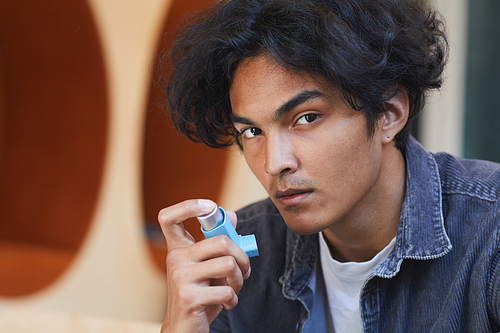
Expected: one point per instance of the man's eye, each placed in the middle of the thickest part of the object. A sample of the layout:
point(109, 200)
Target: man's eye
point(251, 132)
point(307, 118)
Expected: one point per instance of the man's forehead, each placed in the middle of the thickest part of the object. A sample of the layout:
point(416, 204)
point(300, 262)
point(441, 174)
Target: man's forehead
point(261, 85)
point(268, 66)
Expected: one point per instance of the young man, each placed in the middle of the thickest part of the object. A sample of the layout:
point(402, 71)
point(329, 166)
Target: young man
point(363, 229)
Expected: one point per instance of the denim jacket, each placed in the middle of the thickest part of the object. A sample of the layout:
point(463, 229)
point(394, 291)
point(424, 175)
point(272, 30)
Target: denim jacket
point(443, 274)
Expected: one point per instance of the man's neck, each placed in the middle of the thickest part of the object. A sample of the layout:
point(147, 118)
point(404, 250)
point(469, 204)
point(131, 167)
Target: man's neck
point(372, 225)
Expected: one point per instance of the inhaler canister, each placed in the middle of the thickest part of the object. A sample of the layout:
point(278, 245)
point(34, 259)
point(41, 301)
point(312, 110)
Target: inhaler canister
point(217, 223)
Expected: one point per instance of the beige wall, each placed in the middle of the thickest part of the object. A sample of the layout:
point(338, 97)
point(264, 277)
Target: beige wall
point(442, 120)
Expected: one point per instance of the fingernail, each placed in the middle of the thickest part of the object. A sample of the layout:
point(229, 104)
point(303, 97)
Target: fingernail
point(206, 205)
point(247, 274)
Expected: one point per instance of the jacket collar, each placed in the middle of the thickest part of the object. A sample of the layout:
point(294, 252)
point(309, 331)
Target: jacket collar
point(301, 254)
point(421, 233)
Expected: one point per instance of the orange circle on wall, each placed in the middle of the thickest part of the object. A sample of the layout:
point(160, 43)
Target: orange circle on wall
point(53, 124)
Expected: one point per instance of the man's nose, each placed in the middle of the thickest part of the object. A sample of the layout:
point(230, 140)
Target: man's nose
point(280, 157)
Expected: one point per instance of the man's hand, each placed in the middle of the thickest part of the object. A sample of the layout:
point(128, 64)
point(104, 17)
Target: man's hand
point(203, 277)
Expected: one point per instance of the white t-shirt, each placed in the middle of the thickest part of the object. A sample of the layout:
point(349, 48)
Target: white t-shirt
point(343, 283)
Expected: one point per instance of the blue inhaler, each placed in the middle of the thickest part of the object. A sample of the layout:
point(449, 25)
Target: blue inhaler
point(217, 223)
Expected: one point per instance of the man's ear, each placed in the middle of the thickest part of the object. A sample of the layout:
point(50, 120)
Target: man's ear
point(396, 115)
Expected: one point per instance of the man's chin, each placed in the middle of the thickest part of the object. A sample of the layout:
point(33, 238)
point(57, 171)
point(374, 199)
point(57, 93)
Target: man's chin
point(301, 226)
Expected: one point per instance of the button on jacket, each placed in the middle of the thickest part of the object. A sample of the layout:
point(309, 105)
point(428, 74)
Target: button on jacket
point(443, 274)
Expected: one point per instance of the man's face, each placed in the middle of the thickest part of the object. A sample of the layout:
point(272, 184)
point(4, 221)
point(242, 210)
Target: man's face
point(309, 150)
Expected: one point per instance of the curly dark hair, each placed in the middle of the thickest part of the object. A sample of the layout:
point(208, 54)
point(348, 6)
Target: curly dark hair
point(369, 50)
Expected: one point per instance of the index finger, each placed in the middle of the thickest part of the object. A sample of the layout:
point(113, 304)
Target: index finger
point(171, 219)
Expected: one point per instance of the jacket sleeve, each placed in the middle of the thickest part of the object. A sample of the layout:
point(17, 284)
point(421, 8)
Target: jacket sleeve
point(221, 323)
point(494, 291)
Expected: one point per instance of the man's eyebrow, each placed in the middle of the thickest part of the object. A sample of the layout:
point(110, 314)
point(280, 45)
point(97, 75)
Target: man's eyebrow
point(301, 98)
point(241, 120)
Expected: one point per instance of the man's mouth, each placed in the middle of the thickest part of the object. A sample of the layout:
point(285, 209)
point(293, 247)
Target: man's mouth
point(290, 197)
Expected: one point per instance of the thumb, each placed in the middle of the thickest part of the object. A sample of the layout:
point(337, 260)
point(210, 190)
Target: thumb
point(232, 217)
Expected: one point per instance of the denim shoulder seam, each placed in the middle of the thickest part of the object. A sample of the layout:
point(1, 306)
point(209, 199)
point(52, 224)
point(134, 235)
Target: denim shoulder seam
point(487, 197)
point(473, 178)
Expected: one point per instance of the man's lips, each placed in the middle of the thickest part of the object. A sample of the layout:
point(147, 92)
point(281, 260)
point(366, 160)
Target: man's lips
point(290, 193)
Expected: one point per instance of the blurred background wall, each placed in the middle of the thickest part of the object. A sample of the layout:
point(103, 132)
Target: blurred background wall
point(87, 158)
